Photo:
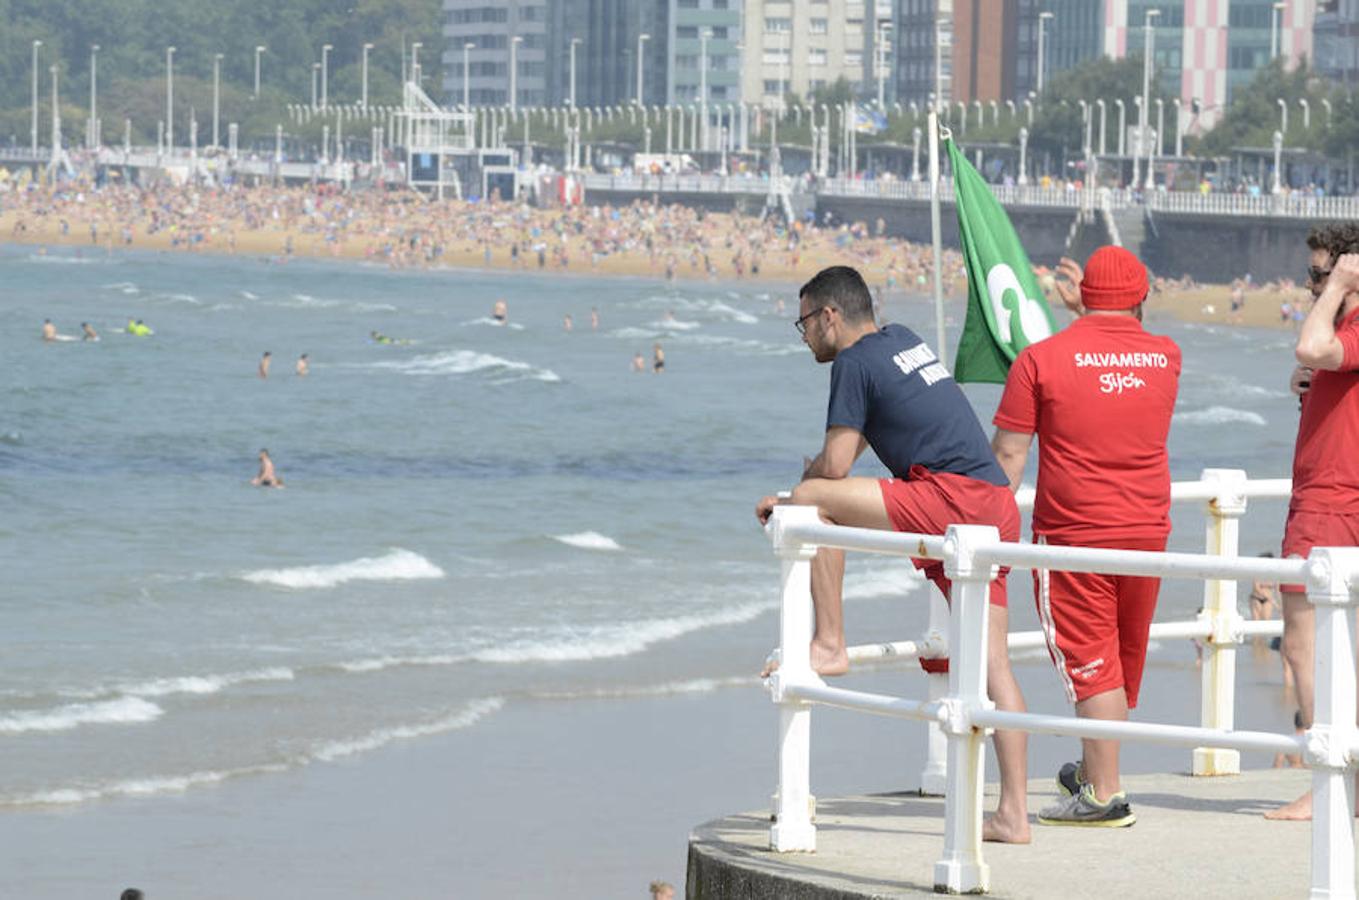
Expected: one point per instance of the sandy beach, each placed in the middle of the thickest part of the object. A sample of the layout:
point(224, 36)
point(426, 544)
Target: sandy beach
point(405, 230)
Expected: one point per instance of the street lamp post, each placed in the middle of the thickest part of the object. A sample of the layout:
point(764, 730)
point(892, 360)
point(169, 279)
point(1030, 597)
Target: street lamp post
point(1278, 161)
point(1283, 115)
point(1276, 13)
point(467, 76)
point(915, 153)
point(1023, 156)
point(1122, 125)
point(325, 74)
point(315, 77)
point(170, 100)
point(1160, 142)
point(1149, 38)
point(1043, 18)
point(364, 76)
point(703, 36)
point(1179, 126)
point(36, 45)
point(258, 50)
point(1306, 113)
point(880, 61)
point(415, 62)
point(56, 122)
point(641, 42)
point(216, 97)
point(574, 43)
point(514, 71)
point(1103, 113)
point(92, 133)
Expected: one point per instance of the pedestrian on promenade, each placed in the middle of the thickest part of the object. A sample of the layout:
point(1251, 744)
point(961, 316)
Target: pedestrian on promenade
point(889, 391)
point(1324, 508)
point(1099, 396)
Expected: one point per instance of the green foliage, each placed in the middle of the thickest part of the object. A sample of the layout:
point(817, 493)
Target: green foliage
point(133, 34)
point(1254, 114)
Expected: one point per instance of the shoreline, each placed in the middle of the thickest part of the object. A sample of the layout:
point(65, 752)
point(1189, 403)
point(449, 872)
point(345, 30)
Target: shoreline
point(1201, 304)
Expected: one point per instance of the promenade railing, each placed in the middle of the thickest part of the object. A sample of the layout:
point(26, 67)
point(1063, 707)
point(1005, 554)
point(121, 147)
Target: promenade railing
point(962, 712)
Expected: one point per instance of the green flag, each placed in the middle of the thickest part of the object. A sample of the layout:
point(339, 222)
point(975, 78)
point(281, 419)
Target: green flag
point(1006, 311)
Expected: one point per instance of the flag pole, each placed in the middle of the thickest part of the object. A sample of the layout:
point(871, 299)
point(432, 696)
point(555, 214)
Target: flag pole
point(941, 348)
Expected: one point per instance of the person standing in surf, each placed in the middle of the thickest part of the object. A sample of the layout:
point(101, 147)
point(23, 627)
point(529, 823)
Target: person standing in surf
point(889, 391)
point(1099, 395)
point(1324, 508)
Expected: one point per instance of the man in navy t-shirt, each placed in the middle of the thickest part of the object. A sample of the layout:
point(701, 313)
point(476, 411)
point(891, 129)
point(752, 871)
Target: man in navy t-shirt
point(890, 392)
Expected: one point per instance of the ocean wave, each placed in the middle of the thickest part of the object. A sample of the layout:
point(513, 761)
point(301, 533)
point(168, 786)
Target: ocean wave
point(494, 323)
point(588, 540)
point(203, 684)
point(378, 663)
point(135, 787)
point(675, 325)
point(634, 334)
point(399, 565)
point(731, 312)
point(612, 641)
point(746, 345)
point(61, 260)
point(468, 362)
point(899, 582)
point(463, 718)
point(1219, 415)
point(179, 298)
point(249, 296)
point(125, 287)
point(125, 710)
point(666, 689)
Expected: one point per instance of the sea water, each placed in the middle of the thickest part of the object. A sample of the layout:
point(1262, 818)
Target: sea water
point(478, 517)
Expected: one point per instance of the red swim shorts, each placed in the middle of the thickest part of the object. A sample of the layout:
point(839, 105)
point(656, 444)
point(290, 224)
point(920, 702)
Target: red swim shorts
point(1096, 626)
point(1305, 530)
point(929, 502)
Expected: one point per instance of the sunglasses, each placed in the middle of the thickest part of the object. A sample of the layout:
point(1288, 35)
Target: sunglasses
point(1316, 274)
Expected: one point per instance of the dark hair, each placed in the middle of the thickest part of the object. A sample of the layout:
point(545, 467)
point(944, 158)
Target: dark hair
point(1336, 238)
point(132, 894)
point(844, 288)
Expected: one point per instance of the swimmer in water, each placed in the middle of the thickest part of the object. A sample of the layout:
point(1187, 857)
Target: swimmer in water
point(264, 364)
point(267, 476)
point(90, 333)
point(303, 364)
point(657, 359)
point(638, 362)
point(594, 319)
point(500, 312)
point(49, 331)
point(566, 322)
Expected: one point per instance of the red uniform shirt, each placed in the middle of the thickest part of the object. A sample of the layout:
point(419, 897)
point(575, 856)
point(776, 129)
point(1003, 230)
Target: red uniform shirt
point(1326, 458)
point(1099, 395)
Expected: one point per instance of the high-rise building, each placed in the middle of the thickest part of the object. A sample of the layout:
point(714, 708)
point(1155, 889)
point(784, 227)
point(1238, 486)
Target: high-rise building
point(1335, 39)
point(800, 46)
point(491, 30)
point(985, 49)
point(704, 43)
point(608, 34)
point(919, 26)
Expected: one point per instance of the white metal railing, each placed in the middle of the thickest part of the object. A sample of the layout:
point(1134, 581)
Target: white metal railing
point(970, 555)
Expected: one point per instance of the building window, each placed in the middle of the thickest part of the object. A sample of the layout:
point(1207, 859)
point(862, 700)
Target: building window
point(720, 4)
point(688, 4)
point(771, 87)
point(853, 59)
point(777, 25)
point(687, 32)
point(816, 56)
point(719, 32)
point(686, 61)
point(820, 26)
point(775, 56)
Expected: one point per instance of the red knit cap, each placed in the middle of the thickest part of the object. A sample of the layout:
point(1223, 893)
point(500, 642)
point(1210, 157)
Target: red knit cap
point(1113, 279)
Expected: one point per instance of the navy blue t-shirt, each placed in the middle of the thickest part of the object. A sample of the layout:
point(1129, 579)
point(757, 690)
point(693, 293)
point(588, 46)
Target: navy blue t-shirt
point(891, 388)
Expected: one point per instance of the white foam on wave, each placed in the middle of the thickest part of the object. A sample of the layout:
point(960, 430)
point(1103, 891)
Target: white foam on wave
point(126, 287)
point(1219, 415)
point(249, 296)
point(666, 689)
point(740, 345)
point(378, 663)
point(62, 260)
point(135, 787)
point(731, 312)
point(204, 684)
point(463, 718)
point(468, 362)
point(899, 582)
point(588, 540)
point(123, 711)
point(676, 325)
point(494, 323)
point(634, 334)
point(399, 565)
point(612, 641)
point(180, 298)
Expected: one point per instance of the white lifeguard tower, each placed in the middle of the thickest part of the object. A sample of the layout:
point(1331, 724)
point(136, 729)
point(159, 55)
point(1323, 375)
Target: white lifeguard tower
point(442, 152)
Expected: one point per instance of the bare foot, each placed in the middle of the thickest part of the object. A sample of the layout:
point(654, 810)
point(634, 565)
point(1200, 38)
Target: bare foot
point(1006, 829)
point(1300, 810)
point(825, 661)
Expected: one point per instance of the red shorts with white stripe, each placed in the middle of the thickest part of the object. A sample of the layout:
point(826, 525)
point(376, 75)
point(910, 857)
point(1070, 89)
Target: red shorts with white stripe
point(1096, 626)
point(1306, 529)
point(928, 502)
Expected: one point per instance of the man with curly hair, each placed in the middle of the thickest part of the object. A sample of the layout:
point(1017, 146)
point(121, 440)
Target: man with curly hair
point(1324, 508)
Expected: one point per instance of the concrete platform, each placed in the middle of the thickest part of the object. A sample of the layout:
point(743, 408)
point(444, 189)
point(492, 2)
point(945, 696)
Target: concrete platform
point(1201, 837)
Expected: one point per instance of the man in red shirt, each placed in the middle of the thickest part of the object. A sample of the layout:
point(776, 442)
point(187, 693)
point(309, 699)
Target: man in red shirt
point(1324, 509)
point(1099, 395)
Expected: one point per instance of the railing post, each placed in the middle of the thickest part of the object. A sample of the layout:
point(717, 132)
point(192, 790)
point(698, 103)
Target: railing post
point(1218, 676)
point(933, 777)
point(793, 804)
point(962, 869)
point(1331, 739)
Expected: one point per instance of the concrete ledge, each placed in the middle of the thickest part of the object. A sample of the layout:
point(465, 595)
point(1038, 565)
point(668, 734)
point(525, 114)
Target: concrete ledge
point(1194, 836)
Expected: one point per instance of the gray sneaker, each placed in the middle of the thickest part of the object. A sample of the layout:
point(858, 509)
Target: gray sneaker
point(1081, 809)
point(1070, 778)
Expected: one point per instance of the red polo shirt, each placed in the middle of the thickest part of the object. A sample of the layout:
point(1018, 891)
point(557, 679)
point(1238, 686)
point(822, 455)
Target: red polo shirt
point(1099, 395)
point(1326, 458)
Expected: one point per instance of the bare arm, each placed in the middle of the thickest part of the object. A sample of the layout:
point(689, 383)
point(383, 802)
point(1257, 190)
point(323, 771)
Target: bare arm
point(1318, 345)
point(843, 446)
point(1012, 452)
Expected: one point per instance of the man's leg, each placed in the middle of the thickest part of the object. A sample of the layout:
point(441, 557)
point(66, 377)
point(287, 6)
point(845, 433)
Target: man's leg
point(856, 502)
point(1101, 756)
point(1298, 651)
point(1010, 823)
